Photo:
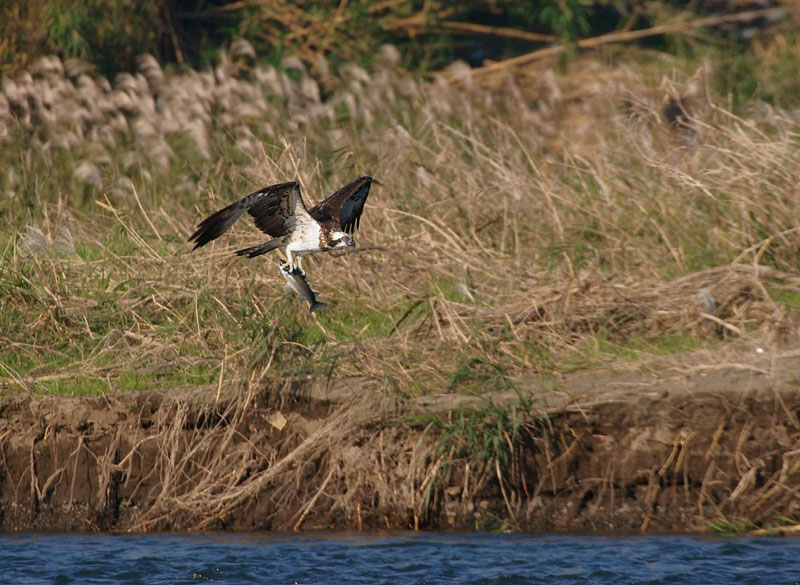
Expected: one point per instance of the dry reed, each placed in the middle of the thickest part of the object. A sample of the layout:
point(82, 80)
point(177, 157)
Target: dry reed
point(513, 228)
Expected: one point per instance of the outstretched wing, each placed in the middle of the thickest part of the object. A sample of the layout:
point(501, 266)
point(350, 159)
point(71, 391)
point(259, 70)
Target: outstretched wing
point(276, 211)
point(344, 206)
point(281, 210)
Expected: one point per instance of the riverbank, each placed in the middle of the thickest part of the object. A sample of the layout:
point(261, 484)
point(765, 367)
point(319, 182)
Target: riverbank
point(550, 320)
point(707, 441)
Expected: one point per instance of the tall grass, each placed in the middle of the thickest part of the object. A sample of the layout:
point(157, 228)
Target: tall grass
point(518, 226)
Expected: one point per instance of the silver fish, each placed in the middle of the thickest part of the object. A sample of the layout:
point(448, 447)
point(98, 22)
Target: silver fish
point(296, 281)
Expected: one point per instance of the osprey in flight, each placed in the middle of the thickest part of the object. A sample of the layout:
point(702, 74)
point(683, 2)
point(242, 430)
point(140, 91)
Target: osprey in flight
point(279, 212)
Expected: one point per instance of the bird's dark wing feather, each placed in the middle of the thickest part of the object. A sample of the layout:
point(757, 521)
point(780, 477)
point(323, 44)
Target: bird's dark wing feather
point(345, 205)
point(217, 224)
point(279, 210)
point(271, 208)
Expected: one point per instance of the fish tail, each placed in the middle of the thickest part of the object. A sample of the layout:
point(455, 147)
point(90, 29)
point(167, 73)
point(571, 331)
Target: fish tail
point(316, 305)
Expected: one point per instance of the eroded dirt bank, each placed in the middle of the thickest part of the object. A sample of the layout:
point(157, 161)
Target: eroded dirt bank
point(708, 438)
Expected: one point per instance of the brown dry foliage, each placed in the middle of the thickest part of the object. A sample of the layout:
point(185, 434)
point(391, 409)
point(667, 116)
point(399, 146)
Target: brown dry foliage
point(515, 223)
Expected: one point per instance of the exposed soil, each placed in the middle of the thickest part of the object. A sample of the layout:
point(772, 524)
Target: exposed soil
point(672, 445)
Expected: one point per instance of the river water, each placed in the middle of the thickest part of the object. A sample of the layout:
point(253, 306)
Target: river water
point(396, 559)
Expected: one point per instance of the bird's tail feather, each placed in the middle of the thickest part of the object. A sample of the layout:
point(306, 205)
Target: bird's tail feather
point(260, 249)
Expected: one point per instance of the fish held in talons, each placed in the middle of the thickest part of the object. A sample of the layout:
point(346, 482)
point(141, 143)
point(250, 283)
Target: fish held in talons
point(296, 281)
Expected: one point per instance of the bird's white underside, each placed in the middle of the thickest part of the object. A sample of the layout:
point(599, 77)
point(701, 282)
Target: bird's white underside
point(306, 236)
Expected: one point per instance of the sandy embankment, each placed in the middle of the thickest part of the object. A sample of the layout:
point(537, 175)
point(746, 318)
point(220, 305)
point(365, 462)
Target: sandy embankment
point(672, 445)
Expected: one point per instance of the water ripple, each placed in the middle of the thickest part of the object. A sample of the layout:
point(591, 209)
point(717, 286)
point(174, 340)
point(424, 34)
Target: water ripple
point(396, 559)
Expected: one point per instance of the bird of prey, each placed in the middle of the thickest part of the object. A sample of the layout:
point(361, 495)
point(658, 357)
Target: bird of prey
point(279, 212)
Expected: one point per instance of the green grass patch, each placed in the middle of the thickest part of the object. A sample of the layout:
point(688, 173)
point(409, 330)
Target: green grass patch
point(729, 525)
point(788, 298)
point(596, 350)
point(74, 386)
point(478, 374)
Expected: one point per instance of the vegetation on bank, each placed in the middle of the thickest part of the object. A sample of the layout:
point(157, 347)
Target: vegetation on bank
point(518, 226)
point(429, 35)
point(524, 223)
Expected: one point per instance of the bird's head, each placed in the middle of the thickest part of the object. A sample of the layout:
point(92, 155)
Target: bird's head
point(342, 240)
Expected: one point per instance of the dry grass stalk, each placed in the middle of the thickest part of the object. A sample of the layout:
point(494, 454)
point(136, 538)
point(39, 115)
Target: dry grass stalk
point(686, 28)
point(547, 224)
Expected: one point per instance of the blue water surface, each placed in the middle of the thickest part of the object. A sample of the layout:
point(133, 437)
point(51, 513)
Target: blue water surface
point(397, 559)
